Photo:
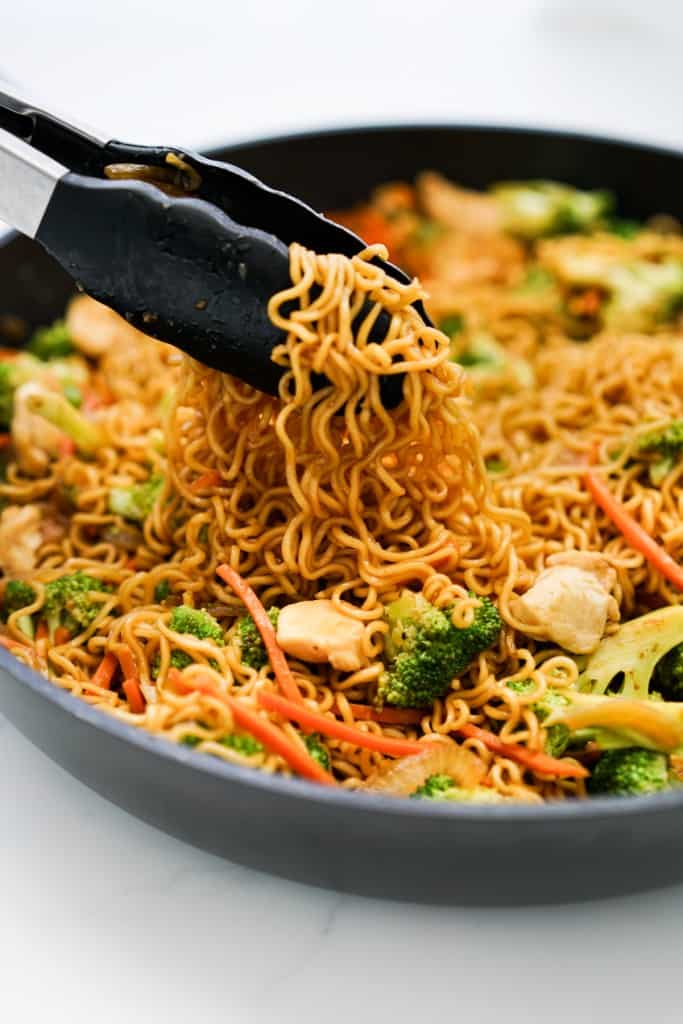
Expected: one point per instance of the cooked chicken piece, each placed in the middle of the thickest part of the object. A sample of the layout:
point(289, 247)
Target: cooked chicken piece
point(473, 213)
point(458, 261)
point(570, 601)
point(94, 328)
point(20, 538)
point(35, 439)
point(317, 631)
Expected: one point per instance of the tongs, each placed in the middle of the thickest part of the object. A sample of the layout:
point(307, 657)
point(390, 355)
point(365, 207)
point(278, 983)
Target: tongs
point(188, 249)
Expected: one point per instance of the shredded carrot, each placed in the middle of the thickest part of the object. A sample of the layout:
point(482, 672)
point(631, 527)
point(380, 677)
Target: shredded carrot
point(131, 564)
point(136, 701)
point(314, 721)
point(42, 632)
point(10, 643)
point(298, 759)
point(535, 760)
point(388, 716)
point(62, 635)
point(634, 533)
point(127, 663)
point(104, 673)
point(210, 479)
point(65, 446)
point(5, 440)
point(283, 672)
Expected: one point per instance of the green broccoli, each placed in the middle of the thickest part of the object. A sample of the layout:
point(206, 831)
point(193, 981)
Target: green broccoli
point(179, 659)
point(317, 749)
point(622, 227)
point(442, 787)
point(252, 652)
point(534, 209)
point(69, 374)
point(668, 674)
point(483, 357)
point(56, 409)
point(666, 445)
point(69, 603)
point(17, 596)
point(51, 342)
point(631, 771)
point(537, 280)
point(161, 591)
point(452, 324)
point(196, 622)
point(242, 743)
point(557, 736)
point(424, 651)
point(136, 501)
point(625, 661)
point(495, 465)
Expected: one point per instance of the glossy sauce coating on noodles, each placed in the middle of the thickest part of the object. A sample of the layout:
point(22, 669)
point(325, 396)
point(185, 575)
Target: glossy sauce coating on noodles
point(325, 493)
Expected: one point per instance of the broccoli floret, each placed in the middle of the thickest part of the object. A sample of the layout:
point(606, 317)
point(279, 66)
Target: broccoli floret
point(483, 357)
point(252, 652)
point(196, 622)
point(424, 651)
point(631, 654)
point(317, 749)
point(643, 294)
point(56, 409)
point(533, 209)
point(242, 743)
point(17, 596)
point(537, 280)
point(190, 739)
point(629, 772)
point(622, 227)
point(442, 787)
point(51, 342)
point(557, 737)
point(452, 324)
point(666, 447)
point(161, 591)
point(69, 374)
point(137, 501)
point(494, 466)
point(179, 659)
point(668, 675)
point(69, 603)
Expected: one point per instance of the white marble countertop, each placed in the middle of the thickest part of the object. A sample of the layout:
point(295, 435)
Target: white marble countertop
point(101, 917)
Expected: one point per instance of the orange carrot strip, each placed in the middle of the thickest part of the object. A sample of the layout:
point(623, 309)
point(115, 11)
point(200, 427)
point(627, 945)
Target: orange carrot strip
point(535, 760)
point(5, 440)
point(634, 533)
point(42, 632)
point(388, 716)
point(300, 761)
point(104, 673)
point(62, 635)
point(313, 721)
point(10, 643)
point(283, 672)
point(127, 663)
point(210, 479)
point(136, 701)
point(65, 446)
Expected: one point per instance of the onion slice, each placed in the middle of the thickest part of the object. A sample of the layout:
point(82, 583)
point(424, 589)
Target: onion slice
point(444, 757)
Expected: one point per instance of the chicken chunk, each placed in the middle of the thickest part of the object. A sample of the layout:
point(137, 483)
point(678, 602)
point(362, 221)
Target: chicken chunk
point(317, 631)
point(20, 538)
point(94, 327)
point(35, 439)
point(570, 603)
point(473, 213)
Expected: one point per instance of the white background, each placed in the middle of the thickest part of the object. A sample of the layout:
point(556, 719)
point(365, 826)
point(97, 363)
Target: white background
point(102, 918)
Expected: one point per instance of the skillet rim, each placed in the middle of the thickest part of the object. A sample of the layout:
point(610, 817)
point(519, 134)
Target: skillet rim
point(300, 789)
